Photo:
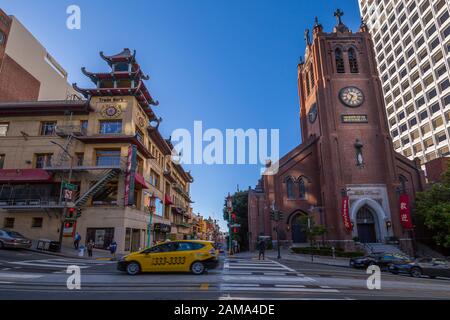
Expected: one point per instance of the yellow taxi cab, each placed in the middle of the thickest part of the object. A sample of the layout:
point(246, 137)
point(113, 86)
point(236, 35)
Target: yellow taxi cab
point(175, 256)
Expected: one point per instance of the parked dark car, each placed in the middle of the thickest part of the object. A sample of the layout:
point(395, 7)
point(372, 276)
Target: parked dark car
point(383, 260)
point(423, 267)
point(14, 240)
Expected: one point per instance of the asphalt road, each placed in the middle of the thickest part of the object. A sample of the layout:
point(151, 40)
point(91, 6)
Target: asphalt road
point(30, 275)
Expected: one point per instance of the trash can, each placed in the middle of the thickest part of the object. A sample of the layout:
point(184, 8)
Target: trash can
point(54, 246)
point(81, 251)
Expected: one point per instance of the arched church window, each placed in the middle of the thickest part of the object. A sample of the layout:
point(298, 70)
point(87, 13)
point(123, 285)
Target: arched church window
point(403, 182)
point(340, 67)
point(308, 87)
point(353, 61)
point(302, 188)
point(311, 77)
point(290, 188)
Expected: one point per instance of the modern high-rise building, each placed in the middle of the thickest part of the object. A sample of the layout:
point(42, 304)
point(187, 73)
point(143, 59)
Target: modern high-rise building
point(412, 45)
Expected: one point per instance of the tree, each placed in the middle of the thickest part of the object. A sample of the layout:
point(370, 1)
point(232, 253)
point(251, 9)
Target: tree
point(313, 231)
point(433, 207)
point(240, 208)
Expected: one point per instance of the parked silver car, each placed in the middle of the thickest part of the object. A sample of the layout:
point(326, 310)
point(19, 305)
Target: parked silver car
point(12, 239)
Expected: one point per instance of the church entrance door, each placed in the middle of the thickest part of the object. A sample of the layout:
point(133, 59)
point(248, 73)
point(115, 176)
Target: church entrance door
point(298, 230)
point(366, 225)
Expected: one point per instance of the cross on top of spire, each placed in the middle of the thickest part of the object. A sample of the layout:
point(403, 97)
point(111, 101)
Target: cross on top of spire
point(338, 14)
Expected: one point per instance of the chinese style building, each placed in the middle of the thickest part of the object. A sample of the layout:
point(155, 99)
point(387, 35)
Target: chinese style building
point(104, 158)
point(345, 174)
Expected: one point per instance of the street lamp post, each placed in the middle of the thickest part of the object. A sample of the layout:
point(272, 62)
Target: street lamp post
point(230, 210)
point(64, 214)
point(152, 208)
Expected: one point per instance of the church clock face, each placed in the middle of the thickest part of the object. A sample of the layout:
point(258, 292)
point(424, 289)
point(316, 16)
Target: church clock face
point(351, 97)
point(312, 115)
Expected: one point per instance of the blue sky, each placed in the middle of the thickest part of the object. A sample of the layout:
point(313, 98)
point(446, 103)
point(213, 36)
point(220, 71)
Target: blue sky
point(231, 64)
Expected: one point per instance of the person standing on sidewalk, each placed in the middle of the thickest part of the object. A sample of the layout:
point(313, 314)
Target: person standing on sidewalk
point(90, 247)
point(76, 241)
point(113, 249)
point(262, 249)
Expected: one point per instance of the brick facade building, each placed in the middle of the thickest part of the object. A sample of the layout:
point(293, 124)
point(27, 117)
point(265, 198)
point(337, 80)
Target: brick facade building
point(346, 157)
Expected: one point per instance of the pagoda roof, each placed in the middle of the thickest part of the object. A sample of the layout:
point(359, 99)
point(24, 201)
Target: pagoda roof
point(94, 76)
point(124, 56)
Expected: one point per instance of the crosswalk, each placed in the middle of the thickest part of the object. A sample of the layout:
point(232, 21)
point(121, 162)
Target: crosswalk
point(247, 276)
point(56, 265)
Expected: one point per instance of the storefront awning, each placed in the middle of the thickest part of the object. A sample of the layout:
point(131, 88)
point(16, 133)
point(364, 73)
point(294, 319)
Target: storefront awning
point(24, 176)
point(140, 181)
point(167, 200)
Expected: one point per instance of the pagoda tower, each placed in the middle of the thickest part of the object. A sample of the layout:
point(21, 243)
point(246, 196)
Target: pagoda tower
point(125, 79)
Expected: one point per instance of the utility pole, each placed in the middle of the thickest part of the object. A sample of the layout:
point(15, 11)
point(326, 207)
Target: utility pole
point(64, 213)
point(276, 216)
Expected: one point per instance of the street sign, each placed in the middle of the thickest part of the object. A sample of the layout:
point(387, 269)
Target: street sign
point(69, 186)
point(68, 194)
point(235, 226)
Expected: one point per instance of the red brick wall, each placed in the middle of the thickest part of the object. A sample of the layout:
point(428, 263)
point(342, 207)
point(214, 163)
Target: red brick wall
point(16, 84)
point(436, 168)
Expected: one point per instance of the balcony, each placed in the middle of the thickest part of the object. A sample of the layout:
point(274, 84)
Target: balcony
point(118, 163)
point(27, 204)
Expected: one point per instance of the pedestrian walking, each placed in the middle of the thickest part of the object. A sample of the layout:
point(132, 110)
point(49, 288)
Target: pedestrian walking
point(90, 247)
point(113, 249)
point(76, 241)
point(262, 249)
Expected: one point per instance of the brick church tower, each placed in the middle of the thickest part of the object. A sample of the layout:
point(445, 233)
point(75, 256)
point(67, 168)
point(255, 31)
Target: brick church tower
point(346, 174)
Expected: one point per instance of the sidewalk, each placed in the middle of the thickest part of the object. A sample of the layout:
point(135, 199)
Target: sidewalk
point(288, 255)
point(70, 252)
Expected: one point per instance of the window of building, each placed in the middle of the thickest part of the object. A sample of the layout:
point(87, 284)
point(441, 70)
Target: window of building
point(4, 129)
point(84, 125)
point(434, 108)
point(110, 126)
point(353, 61)
point(444, 17)
point(420, 102)
point(107, 158)
point(417, 148)
point(428, 143)
point(43, 160)
point(441, 71)
point(415, 135)
point(2, 161)
point(79, 159)
point(311, 77)
point(405, 141)
point(440, 137)
point(444, 85)
point(340, 66)
point(397, 144)
point(444, 151)
point(48, 128)
point(140, 135)
point(8, 223)
point(302, 189)
point(412, 122)
point(437, 122)
point(431, 94)
point(37, 222)
point(290, 188)
point(423, 115)
point(403, 128)
point(431, 30)
point(394, 133)
point(425, 129)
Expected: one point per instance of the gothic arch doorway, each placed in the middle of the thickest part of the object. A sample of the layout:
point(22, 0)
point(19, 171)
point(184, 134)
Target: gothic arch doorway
point(366, 225)
point(298, 228)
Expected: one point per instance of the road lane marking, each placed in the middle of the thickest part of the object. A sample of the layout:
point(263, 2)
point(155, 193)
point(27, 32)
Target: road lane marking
point(266, 278)
point(274, 289)
point(204, 286)
point(19, 276)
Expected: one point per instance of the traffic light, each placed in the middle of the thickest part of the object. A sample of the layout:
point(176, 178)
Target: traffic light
point(79, 213)
point(233, 217)
point(235, 230)
point(71, 212)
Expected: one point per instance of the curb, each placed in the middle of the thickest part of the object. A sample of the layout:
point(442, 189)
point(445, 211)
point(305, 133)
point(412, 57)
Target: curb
point(56, 254)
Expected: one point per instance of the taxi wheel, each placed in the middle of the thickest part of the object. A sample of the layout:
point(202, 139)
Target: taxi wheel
point(197, 268)
point(133, 268)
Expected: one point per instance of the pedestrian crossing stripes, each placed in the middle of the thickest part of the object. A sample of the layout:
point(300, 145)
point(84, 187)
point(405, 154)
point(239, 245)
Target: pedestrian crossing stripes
point(58, 263)
point(253, 276)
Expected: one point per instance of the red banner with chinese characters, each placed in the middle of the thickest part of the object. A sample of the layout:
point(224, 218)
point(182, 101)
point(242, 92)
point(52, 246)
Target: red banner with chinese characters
point(405, 213)
point(346, 213)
